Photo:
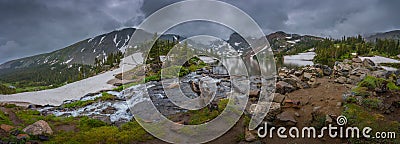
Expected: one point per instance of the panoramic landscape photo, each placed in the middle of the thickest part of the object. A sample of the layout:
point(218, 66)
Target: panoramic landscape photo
point(199, 71)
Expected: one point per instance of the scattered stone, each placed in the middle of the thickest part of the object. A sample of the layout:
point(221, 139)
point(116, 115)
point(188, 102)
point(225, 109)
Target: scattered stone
point(283, 87)
point(38, 128)
point(6, 128)
point(249, 136)
point(328, 119)
point(315, 109)
point(368, 63)
point(279, 98)
point(103, 118)
point(43, 138)
point(398, 82)
point(341, 80)
point(307, 76)
point(338, 104)
point(286, 118)
point(254, 92)
point(22, 136)
point(356, 60)
point(327, 70)
point(297, 114)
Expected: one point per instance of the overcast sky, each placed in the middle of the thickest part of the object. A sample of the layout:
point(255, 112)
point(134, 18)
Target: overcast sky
point(29, 27)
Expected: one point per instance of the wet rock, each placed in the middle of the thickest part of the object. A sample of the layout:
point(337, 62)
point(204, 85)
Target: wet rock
point(38, 128)
point(286, 118)
point(368, 63)
point(109, 110)
point(356, 60)
point(6, 128)
point(284, 87)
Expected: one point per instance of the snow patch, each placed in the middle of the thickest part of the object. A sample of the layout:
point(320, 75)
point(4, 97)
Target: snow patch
point(101, 40)
point(66, 62)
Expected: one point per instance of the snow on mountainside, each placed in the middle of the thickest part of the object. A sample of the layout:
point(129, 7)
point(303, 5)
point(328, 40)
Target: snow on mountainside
point(83, 52)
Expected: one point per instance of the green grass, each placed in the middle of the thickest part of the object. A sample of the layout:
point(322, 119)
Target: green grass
point(360, 91)
point(94, 132)
point(204, 115)
point(77, 104)
point(361, 117)
point(392, 86)
point(4, 119)
point(371, 82)
point(371, 102)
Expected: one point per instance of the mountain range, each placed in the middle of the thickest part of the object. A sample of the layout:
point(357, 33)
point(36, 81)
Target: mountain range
point(85, 51)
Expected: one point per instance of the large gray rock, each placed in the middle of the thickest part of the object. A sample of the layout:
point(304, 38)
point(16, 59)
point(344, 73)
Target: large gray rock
point(38, 128)
point(284, 87)
point(326, 70)
point(368, 63)
point(286, 119)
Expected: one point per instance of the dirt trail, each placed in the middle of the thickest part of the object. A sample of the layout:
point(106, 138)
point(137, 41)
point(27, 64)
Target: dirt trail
point(327, 96)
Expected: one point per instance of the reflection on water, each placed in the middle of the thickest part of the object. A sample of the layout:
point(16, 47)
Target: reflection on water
point(301, 59)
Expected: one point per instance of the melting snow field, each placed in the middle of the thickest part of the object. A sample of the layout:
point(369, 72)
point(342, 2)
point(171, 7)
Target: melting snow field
point(74, 90)
point(379, 59)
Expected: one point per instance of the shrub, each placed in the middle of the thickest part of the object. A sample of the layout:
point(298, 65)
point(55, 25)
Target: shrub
point(4, 119)
point(371, 82)
point(372, 102)
point(392, 86)
point(360, 91)
point(351, 100)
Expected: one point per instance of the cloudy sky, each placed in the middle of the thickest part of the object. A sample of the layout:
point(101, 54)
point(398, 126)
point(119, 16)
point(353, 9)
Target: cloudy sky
point(30, 27)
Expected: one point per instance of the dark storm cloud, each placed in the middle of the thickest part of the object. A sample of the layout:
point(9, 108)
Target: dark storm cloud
point(333, 18)
point(35, 26)
point(31, 27)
